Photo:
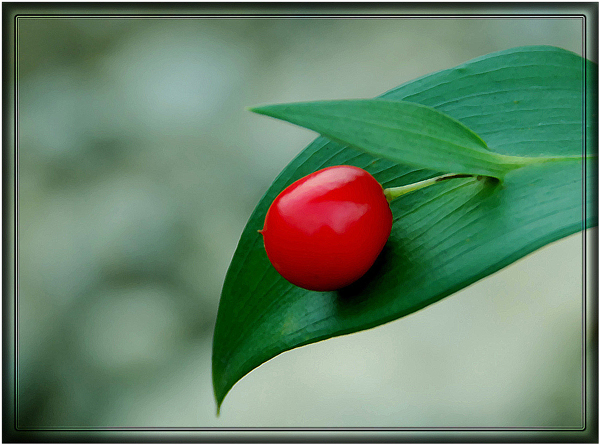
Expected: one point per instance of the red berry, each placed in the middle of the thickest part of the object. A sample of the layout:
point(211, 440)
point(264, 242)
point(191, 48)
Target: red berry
point(326, 230)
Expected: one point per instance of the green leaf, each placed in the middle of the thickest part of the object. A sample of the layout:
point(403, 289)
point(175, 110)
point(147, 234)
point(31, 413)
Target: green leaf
point(523, 102)
point(403, 132)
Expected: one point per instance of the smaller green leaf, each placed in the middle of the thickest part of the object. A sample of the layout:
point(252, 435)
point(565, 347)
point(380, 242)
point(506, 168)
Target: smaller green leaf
point(403, 132)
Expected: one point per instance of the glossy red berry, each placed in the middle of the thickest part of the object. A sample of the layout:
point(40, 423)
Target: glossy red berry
point(325, 230)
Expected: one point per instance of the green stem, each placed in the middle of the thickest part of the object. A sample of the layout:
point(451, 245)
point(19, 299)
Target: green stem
point(540, 159)
point(510, 163)
point(513, 162)
point(395, 192)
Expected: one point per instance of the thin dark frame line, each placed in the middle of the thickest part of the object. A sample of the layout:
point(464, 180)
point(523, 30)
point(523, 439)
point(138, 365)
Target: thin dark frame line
point(296, 16)
point(278, 16)
point(584, 219)
point(383, 429)
point(16, 218)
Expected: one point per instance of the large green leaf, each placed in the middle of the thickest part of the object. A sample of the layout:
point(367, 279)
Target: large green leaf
point(522, 102)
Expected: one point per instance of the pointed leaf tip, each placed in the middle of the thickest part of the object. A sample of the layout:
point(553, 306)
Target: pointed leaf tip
point(401, 131)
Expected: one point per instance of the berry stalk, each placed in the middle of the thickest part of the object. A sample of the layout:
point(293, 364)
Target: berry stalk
point(395, 192)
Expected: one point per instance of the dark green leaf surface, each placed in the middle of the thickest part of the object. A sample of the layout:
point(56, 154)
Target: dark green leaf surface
point(523, 102)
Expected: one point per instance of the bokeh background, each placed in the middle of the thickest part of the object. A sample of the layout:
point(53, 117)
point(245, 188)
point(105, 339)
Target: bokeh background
point(138, 169)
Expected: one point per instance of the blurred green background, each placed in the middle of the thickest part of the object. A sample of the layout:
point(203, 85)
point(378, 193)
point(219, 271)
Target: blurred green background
point(138, 169)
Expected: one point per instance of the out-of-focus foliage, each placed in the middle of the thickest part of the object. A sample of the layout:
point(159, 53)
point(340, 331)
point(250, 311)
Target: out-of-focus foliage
point(138, 169)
